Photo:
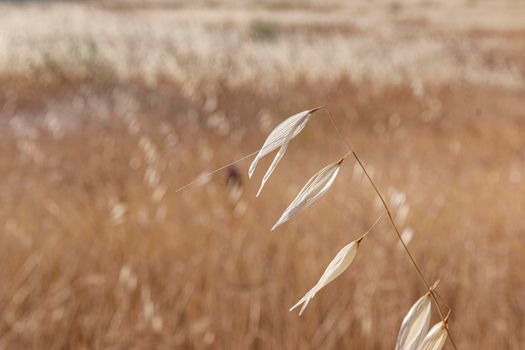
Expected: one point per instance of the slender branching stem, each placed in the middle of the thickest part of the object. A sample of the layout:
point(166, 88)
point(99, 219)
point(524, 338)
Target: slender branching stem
point(389, 213)
point(431, 289)
point(371, 228)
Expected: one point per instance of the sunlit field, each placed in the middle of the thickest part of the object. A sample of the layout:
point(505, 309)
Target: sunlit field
point(108, 108)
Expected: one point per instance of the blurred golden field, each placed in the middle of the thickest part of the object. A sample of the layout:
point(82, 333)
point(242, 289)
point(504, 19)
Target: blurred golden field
point(107, 108)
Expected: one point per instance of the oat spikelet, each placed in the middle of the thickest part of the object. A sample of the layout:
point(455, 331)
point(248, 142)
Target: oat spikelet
point(337, 266)
point(315, 188)
point(280, 137)
point(436, 338)
point(276, 160)
point(415, 324)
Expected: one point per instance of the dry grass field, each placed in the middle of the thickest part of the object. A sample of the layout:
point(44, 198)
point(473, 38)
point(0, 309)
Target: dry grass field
point(107, 108)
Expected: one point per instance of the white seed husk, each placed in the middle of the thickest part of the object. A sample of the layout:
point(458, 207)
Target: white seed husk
point(436, 338)
point(282, 135)
point(314, 189)
point(337, 266)
point(415, 324)
point(279, 155)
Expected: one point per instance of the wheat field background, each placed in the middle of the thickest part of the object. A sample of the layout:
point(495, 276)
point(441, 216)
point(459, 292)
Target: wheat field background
point(107, 108)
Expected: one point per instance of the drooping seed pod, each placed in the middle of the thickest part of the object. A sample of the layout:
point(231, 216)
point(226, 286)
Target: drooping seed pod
point(280, 137)
point(314, 189)
point(337, 266)
point(415, 324)
point(436, 338)
point(275, 161)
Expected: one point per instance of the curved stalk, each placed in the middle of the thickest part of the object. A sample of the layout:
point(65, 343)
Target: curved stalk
point(391, 219)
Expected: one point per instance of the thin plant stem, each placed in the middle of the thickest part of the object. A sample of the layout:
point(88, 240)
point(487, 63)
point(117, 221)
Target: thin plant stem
point(371, 227)
point(389, 213)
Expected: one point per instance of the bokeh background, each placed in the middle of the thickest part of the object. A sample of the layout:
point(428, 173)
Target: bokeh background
point(108, 107)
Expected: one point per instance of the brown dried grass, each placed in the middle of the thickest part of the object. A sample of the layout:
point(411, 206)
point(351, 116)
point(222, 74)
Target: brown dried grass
point(208, 273)
point(93, 254)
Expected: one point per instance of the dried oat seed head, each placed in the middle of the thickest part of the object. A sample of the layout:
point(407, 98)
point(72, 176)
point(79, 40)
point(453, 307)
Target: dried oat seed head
point(337, 266)
point(277, 158)
point(314, 189)
point(415, 324)
point(436, 338)
point(280, 136)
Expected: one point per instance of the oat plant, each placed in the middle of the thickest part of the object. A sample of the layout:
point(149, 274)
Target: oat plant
point(414, 333)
